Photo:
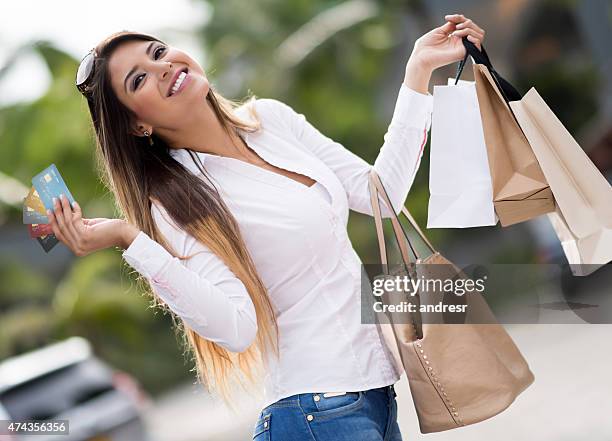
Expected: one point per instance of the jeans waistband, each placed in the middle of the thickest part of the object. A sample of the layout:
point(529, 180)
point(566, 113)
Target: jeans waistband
point(390, 390)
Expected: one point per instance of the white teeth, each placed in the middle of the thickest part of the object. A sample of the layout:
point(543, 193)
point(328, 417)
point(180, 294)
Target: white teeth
point(178, 82)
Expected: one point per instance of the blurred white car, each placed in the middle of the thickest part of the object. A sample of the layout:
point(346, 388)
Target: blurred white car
point(65, 381)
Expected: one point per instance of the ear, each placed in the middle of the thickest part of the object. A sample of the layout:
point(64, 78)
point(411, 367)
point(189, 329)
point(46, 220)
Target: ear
point(138, 128)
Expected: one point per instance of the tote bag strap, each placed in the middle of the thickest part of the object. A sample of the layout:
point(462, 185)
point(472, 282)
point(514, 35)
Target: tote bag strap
point(417, 229)
point(397, 230)
point(376, 187)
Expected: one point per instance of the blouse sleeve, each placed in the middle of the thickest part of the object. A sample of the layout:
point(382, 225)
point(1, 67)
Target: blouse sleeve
point(397, 161)
point(202, 290)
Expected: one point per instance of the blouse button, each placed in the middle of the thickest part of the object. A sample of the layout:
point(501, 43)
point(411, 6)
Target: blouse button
point(317, 397)
point(310, 418)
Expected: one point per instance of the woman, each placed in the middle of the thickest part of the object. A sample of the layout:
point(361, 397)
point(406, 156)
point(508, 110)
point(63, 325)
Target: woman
point(236, 217)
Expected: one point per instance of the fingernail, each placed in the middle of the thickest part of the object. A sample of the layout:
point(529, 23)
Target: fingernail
point(49, 212)
point(54, 201)
point(62, 197)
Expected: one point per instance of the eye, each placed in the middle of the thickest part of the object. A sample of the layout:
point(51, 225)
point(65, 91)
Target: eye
point(156, 51)
point(136, 82)
point(156, 54)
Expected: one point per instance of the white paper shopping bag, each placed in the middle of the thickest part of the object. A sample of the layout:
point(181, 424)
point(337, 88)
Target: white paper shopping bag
point(461, 192)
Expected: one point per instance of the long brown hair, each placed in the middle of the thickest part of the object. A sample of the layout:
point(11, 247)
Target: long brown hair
point(139, 174)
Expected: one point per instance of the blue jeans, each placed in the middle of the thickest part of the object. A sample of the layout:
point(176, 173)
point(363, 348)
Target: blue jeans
point(369, 415)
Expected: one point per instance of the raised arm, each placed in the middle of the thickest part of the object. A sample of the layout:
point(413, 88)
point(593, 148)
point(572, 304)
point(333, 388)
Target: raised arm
point(400, 154)
point(398, 158)
point(202, 290)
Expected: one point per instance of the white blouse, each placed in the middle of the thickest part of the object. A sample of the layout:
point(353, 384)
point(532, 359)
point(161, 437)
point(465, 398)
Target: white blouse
point(297, 237)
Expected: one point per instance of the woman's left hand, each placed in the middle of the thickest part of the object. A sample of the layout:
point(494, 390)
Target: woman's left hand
point(443, 45)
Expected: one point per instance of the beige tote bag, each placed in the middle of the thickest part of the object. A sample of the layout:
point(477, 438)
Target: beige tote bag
point(583, 218)
point(459, 374)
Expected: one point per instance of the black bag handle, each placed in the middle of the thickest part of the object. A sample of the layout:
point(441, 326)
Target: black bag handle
point(480, 57)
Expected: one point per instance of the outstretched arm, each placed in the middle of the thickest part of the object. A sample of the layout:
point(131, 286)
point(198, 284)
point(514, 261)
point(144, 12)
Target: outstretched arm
point(202, 290)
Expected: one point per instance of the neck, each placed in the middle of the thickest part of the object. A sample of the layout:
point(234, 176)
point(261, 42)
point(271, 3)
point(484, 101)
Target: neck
point(203, 132)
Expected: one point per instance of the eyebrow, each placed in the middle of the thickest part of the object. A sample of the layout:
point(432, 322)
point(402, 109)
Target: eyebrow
point(135, 68)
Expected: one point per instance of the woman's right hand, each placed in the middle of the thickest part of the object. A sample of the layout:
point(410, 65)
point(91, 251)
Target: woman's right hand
point(84, 236)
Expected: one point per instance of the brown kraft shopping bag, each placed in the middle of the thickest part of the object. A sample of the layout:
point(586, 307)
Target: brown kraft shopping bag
point(520, 189)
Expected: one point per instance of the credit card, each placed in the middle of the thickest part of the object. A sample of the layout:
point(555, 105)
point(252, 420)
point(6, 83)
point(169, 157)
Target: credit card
point(49, 184)
point(31, 216)
point(33, 201)
point(47, 242)
point(37, 230)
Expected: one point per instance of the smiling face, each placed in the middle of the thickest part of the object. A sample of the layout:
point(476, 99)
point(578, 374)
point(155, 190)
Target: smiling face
point(144, 77)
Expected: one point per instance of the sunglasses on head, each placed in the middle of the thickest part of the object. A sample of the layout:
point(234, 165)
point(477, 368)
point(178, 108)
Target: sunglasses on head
point(85, 71)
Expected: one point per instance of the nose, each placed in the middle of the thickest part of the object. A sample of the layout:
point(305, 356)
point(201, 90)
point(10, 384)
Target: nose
point(167, 69)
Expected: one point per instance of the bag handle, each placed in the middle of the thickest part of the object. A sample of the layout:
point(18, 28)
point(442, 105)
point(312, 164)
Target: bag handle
point(376, 187)
point(397, 229)
point(507, 90)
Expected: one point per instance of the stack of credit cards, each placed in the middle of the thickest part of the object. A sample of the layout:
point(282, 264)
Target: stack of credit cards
point(47, 184)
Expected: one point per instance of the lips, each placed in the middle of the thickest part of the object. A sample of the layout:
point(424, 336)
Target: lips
point(174, 78)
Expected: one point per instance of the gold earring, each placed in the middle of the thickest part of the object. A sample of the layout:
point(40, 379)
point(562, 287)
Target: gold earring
point(146, 133)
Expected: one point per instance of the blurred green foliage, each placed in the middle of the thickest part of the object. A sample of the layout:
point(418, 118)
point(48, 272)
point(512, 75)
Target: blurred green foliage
point(89, 298)
point(53, 128)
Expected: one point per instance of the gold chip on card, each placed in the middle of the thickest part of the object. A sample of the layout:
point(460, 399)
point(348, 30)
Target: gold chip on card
point(34, 202)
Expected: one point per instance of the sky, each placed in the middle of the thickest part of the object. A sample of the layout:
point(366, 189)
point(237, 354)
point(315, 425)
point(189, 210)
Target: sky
point(77, 26)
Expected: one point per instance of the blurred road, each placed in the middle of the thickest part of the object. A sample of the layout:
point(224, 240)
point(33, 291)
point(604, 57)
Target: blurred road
point(571, 398)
